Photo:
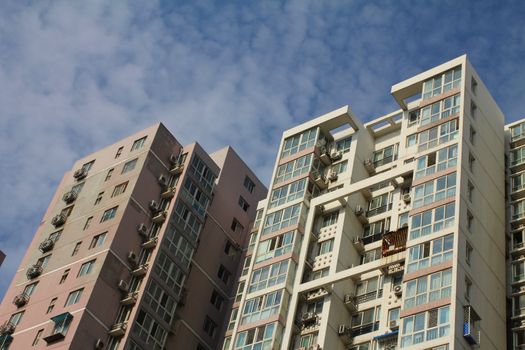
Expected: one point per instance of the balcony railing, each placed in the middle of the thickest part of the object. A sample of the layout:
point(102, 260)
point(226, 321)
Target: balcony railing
point(385, 160)
point(394, 242)
point(372, 238)
point(379, 210)
point(363, 298)
point(367, 328)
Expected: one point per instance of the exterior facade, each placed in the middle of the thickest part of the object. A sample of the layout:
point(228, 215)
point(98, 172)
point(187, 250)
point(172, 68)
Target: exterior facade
point(139, 249)
point(384, 235)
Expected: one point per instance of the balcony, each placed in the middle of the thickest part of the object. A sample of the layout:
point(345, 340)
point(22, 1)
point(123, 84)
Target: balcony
point(168, 193)
point(140, 271)
point(350, 302)
point(367, 328)
point(59, 220)
point(7, 328)
point(160, 217)
point(21, 299)
point(34, 271)
point(384, 161)
point(177, 168)
point(372, 238)
point(129, 298)
point(118, 329)
point(373, 295)
point(308, 319)
point(319, 179)
point(518, 247)
point(150, 243)
point(379, 210)
point(46, 245)
point(69, 197)
point(394, 242)
point(517, 141)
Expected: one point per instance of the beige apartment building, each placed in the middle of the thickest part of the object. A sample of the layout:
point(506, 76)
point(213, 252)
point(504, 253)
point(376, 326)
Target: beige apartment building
point(389, 234)
point(139, 249)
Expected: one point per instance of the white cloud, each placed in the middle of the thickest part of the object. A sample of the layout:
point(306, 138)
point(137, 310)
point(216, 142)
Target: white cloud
point(76, 76)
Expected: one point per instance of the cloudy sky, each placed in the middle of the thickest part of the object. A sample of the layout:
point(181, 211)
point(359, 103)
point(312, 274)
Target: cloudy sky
point(78, 75)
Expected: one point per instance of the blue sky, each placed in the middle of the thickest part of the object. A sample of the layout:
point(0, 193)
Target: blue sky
point(78, 75)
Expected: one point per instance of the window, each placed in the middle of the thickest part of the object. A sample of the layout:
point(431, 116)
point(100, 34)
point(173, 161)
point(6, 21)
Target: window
point(76, 248)
point(87, 167)
point(30, 288)
point(330, 219)
point(473, 85)
point(516, 133)
point(374, 230)
point(37, 337)
point(425, 326)
point(293, 169)
point(67, 211)
point(440, 110)
point(288, 193)
point(468, 289)
point(99, 198)
point(268, 276)
point(442, 83)
point(178, 245)
point(385, 155)
point(428, 289)
point(77, 188)
point(98, 240)
point(340, 167)
point(366, 321)
point(283, 218)
point(187, 220)
point(470, 221)
point(473, 109)
point(393, 316)
point(119, 189)
point(86, 268)
point(430, 253)
point(240, 290)
point(299, 142)
point(326, 246)
point(74, 297)
point(209, 326)
point(54, 236)
point(246, 265)
point(343, 145)
point(108, 175)
point(43, 261)
point(438, 135)
point(362, 346)
point(160, 301)
point(436, 161)
point(367, 287)
point(468, 253)
point(274, 247)
point(109, 214)
point(169, 272)
point(119, 152)
point(138, 144)
point(470, 191)
point(471, 162)
point(411, 140)
point(249, 184)
point(413, 117)
point(370, 255)
point(63, 278)
point(472, 135)
point(51, 305)
point(379, 204)
point(223, 274)
point(88, 223)
point(255, 338)
point(261, 307)
point(128, 166)
point(216, 299)
point(517, 156)
point(195, 196)
point(432, 191)
point(403, 220)
point(233, 319)
point(432, 220)
point(236, 226)
point(150, 331)
point(243, 204)
point(203, 174)
point(16, 318)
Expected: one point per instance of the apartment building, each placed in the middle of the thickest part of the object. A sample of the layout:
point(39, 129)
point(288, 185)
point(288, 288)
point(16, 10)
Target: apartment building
point(388, 234)
point(139, 249)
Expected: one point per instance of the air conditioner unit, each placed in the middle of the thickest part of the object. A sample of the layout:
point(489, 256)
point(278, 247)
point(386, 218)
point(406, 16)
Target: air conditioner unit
point(173, 159)
point(132, 258)
point(398, 290)
point(153, 205)
point(321, 208)
point(407, 198)
point(333, 176)
point(393, 324)
point(358, 210)
point(404, 225)
point(163, 180)
point(336, 155)
point(342, 329)
point(99, 344)
point(123, 286)
point(357, 240)
point(142, 230)
point(80, 174)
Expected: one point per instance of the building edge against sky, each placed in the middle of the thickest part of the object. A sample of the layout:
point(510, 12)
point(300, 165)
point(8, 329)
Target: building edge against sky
point(122, 257)
point(388, 234)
